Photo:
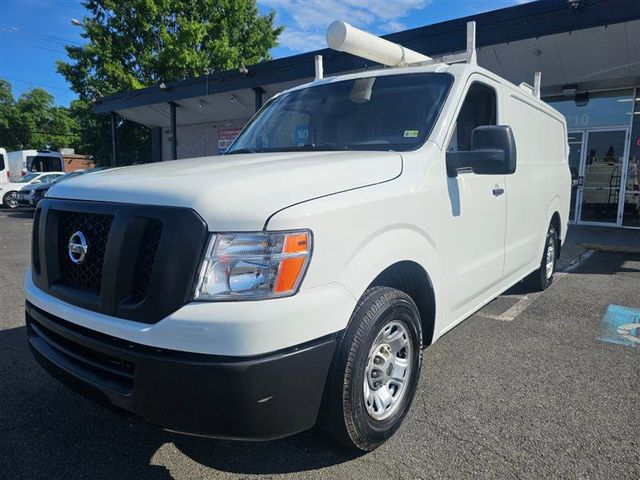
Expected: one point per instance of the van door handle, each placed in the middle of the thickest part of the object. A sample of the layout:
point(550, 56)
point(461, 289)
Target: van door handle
point(498, 191)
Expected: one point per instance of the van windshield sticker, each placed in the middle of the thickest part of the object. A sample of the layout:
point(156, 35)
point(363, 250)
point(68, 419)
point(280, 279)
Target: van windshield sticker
point(411, 133)
point(301, 134)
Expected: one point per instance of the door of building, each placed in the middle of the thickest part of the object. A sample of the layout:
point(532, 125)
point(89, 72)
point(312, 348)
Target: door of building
point(599, 166)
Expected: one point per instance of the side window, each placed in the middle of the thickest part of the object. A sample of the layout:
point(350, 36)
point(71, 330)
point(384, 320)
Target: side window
point(2, 163)
point(479, 108)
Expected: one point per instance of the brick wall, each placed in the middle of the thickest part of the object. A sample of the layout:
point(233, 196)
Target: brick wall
point(77, 162)
point(199, 140)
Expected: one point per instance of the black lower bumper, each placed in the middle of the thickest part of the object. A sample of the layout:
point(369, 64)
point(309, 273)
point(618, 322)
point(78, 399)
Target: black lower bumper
point(22, 202)
point(261, 398)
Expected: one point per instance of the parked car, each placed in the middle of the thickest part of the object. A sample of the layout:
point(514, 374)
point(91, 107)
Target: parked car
point(9, 191)
point(296, 280)
point(30, 195)
point(21, 162)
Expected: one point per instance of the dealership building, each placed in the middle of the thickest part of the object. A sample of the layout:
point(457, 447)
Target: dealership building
point(587, 50)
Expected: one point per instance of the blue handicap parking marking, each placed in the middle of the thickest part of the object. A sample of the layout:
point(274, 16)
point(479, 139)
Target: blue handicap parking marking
point(621, 325)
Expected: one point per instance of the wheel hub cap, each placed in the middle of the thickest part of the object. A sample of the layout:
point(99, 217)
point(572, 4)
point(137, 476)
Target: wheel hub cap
point(388, 370)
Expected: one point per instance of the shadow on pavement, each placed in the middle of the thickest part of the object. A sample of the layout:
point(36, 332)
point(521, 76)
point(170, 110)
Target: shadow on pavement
point(306, 451)
point(47, 431)
point(21, 213)
point(611, 263)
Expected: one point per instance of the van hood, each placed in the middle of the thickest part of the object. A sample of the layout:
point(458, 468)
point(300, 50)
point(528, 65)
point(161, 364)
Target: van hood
point(235, 192)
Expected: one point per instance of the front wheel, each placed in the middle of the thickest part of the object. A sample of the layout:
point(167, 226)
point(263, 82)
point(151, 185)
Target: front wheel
point(375, 371)
point(543, 276)
point(10, 200)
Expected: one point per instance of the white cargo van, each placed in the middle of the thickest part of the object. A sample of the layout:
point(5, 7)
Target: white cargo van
point(22, 162)
point(353, 222)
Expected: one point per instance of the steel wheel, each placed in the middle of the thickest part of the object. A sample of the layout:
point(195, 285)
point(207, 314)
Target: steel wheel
point(551, 256)
point(388, 370)
point(375, 371)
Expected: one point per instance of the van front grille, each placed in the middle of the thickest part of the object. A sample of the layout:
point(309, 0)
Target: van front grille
point(140, 263)
point(146, 259)
point(95, 228)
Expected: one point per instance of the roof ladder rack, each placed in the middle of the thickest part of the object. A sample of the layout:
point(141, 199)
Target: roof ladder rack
point(537, 82)
point(468, 56)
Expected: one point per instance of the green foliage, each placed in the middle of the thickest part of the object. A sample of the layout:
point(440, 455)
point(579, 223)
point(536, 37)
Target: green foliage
point(33, 121)
point(95, 136)
point(133, 44)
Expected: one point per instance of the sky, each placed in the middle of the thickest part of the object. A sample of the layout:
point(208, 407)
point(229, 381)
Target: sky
point(33, 33)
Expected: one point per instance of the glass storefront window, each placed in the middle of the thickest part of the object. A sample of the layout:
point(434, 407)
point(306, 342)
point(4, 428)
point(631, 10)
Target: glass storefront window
point(604, 158)
point(631, 213)
point(597, 110)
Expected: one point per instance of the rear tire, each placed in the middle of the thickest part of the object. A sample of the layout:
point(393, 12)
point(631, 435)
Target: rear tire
point(10, 200)
point(375, 370)
point(542, 278)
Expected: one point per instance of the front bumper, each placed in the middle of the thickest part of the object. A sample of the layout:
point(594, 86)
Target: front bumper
point(24, 201)
point(260, 397)
point(234, 329)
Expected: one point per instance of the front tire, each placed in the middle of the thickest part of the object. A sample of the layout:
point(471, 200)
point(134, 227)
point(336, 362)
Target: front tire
point(10, 200)
point(375, 370)
point(542, 278)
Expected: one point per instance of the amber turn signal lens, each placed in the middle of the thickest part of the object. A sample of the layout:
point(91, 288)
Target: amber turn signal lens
point(297, 242)
point(291, 268)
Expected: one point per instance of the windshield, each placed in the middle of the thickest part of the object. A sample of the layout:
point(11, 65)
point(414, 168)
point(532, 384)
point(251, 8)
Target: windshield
point(27, 178)
point(388, 112)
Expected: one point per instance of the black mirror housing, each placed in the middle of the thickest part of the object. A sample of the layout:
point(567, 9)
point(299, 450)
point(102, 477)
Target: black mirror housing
point(493, 152)
point(496, 149)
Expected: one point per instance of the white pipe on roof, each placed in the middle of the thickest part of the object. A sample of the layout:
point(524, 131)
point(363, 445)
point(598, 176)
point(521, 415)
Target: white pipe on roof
point(346, 38)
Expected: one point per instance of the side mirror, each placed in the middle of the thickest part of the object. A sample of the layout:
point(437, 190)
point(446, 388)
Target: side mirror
point(493, 152)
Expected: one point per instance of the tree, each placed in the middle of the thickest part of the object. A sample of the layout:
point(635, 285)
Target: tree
point(8, 114)
point(133, 44)
point(40, 124)
point(34, 121)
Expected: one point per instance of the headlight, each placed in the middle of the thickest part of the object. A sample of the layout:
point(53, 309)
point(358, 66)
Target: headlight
point(253, 266)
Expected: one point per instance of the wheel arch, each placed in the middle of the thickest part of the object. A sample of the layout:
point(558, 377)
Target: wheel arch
point(411, 278)
point(399, 257)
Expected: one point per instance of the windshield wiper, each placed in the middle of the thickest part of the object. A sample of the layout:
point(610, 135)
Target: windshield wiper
point(241, 150)
point(321, 147)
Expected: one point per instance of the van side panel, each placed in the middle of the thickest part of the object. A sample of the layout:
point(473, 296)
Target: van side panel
point(527, 188)
point(555, 152)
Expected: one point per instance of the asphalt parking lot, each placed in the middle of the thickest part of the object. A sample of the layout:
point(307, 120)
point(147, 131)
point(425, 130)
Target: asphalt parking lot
point(520, 390)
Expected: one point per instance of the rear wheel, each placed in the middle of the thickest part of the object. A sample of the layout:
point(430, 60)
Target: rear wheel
point(10, 200)
point(375, 370)
point(543, 277)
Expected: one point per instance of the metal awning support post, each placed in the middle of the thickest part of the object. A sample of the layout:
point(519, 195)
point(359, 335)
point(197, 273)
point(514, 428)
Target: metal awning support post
point(114, 144)
point(258, 97)
point(174, 131)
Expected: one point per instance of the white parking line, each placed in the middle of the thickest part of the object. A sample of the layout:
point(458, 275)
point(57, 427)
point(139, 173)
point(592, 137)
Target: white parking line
point(578, 261)
point(525, 300)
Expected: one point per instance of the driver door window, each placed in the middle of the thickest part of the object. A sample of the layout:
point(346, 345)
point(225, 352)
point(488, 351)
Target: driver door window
point(479, 108)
